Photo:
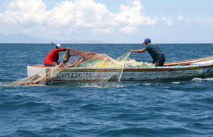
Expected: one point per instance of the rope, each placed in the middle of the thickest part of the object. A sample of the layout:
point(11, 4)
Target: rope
point(126, 56)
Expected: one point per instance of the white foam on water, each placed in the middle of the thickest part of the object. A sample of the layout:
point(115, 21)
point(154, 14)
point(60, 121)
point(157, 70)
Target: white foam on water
point(103, 84)
point(201, 79)
point(176, 82)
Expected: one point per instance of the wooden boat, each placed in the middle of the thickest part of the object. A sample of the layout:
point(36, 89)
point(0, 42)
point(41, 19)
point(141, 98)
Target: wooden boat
point(185, 70)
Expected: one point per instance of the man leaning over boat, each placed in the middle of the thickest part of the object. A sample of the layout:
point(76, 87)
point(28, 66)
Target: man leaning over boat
point(154, 51)
point(53, 56)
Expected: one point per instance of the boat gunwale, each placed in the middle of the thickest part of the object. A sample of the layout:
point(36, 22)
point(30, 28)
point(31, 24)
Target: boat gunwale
point(132, 69)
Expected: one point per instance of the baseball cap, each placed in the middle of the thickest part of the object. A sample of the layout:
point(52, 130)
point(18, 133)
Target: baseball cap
point(147, 40)
point(58, 45)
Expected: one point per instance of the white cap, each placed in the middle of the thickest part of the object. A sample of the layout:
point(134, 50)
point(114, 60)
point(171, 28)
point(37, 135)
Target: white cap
point(58, 45)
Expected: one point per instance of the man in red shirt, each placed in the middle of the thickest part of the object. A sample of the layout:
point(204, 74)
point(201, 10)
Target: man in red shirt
point(52, 58)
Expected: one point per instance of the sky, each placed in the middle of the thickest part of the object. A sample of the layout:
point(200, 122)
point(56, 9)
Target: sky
point(110, 21)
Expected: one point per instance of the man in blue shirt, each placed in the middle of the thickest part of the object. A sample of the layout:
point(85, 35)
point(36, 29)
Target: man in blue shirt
point(154, 51)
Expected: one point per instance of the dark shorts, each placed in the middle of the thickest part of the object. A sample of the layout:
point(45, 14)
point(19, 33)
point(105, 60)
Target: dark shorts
point(159, 61)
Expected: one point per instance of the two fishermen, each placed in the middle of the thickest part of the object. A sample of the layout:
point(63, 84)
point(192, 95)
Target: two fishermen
point(158, 57)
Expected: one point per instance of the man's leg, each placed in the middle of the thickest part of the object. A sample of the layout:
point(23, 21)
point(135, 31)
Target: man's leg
point(160, 61)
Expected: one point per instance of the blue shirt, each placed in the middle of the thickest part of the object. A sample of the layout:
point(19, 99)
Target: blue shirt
point(153, 50)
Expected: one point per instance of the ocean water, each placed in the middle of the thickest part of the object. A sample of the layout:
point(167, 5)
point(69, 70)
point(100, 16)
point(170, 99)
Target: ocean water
point(109, 109)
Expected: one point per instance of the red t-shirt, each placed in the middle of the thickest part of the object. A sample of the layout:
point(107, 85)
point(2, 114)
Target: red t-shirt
point(53, 56)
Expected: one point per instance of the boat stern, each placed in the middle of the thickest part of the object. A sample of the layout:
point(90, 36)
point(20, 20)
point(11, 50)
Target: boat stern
point(36, 69)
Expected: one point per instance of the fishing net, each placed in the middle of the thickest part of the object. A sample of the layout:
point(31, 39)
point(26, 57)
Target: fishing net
point(91, 59)
point(75, 58)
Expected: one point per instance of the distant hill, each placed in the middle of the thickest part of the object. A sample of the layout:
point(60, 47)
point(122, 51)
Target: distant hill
point(21, 38)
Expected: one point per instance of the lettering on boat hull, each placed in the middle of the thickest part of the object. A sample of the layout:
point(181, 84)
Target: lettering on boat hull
point(73, 75)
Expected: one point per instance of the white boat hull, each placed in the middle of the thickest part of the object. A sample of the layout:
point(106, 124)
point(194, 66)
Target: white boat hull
point(77, 74)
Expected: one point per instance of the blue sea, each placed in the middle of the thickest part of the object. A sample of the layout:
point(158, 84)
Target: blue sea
point(109, 109)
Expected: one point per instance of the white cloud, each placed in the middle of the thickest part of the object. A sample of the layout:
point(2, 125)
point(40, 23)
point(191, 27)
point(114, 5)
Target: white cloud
point(69, 16)
point(168, 21)
point(180, 17)
point(130, 15)
point(128, 30)
point(23, 11)
point(105, 31)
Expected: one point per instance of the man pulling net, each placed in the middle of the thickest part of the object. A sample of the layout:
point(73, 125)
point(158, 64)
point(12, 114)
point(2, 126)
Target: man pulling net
point(75, 58)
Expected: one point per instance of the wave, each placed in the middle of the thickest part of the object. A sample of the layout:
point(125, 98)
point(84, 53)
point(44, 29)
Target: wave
point(202, 79)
